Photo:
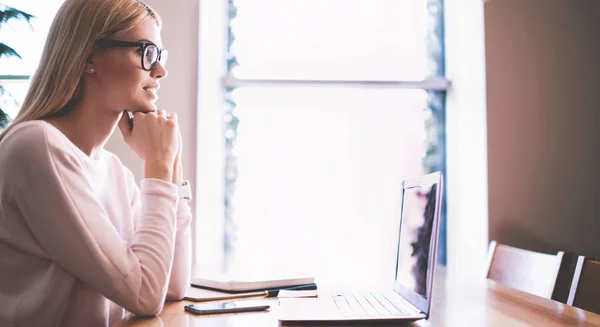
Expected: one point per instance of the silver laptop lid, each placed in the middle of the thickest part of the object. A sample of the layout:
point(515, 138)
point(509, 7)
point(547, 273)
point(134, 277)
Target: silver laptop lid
point(417, 242)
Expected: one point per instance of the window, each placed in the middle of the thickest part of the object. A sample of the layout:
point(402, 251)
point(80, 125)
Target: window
point(329, 105)
point(28, 40)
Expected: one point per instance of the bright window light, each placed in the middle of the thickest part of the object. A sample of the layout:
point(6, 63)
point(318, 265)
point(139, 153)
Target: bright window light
point(28, 40)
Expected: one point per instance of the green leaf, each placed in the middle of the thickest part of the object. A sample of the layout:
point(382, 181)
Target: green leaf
point(4, 120)
point(11, 13)
point(7, 51)
point(7, 13)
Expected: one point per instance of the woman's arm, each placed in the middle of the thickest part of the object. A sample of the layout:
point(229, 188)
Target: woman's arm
point(60, 208)
point(182, 258)
point(179, 279)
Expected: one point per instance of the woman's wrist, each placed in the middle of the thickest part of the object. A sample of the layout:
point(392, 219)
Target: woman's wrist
point(158, 170)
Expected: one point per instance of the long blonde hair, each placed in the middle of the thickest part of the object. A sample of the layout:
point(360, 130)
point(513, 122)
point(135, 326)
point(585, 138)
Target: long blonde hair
point(56, 84)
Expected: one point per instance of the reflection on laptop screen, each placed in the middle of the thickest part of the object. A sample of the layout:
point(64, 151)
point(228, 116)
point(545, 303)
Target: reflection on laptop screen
point(418, 211)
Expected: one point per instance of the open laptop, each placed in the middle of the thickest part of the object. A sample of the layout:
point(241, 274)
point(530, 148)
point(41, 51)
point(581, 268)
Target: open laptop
point(410, 298)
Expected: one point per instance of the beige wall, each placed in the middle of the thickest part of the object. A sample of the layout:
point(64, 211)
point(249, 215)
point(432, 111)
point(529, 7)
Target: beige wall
point(543, 96)
point(178, 91)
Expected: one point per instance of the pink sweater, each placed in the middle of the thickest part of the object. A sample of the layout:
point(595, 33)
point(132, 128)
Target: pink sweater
point(79, 242)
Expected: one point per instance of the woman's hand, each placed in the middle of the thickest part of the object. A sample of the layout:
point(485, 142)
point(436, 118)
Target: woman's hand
point(154, 138)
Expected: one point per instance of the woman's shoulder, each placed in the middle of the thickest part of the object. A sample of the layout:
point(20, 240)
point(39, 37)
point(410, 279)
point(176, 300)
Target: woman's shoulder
point(34, 138)
point(28, 135)
point(27, 131)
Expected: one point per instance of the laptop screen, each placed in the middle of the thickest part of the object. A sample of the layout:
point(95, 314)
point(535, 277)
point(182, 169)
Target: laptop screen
point(419, 222)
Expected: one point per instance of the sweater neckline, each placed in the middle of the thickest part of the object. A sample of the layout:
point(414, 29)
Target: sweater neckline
point(94, 161)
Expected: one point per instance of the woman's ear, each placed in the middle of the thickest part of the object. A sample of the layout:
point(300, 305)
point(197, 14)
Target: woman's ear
point(89, 65)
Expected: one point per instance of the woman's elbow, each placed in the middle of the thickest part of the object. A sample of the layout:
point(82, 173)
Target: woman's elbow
point(148, 311)
point(150, 306)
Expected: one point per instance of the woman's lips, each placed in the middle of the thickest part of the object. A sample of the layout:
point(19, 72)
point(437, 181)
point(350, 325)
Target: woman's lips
point(153, 91)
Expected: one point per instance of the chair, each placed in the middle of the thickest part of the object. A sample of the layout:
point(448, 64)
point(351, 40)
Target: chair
point(585, 289)
point(528, 271)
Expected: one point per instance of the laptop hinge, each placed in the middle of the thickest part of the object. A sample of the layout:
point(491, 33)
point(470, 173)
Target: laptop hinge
point(411, 306)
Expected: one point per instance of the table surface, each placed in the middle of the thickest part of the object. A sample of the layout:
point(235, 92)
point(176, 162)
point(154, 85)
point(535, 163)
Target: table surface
point(456, 302)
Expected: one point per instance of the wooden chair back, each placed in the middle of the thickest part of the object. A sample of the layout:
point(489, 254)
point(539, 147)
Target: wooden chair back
point(528, 271)
point(585, 288)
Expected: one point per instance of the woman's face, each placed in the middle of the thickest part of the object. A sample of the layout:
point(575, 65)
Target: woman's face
point(121, 80)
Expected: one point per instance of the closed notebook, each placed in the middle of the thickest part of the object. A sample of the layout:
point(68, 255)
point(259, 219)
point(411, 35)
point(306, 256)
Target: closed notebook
point(229, 284)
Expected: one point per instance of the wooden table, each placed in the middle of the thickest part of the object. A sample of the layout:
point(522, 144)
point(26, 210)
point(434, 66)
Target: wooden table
point(456, 302)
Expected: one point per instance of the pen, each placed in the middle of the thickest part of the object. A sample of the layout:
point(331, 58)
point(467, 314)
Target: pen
point(229, 297)
point(268, 293)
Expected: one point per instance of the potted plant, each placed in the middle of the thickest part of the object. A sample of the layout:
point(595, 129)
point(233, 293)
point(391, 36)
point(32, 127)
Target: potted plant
point(6, 14)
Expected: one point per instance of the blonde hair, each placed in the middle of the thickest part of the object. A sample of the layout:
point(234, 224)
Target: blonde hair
point(56, 84)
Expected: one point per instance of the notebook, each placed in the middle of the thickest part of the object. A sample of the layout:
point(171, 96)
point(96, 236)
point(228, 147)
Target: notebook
point(227, 284)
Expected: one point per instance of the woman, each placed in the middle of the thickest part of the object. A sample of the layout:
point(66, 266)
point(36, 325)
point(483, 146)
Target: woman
point(79, 242)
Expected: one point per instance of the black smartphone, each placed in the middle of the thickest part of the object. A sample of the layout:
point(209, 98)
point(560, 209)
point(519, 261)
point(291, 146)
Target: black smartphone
point(225, 307)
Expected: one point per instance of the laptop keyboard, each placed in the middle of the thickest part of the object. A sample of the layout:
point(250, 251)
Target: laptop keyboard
point(369, 304)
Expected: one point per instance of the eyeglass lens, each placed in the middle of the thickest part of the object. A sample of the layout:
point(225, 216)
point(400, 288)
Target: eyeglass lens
point(151, 56)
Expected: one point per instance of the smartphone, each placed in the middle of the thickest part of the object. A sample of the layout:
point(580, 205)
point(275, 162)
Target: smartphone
point(225, 307)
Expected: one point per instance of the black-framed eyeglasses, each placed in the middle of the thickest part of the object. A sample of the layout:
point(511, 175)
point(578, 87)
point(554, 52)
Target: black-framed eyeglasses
point(151, 54)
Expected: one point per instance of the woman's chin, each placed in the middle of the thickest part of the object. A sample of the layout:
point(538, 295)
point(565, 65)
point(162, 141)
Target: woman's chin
point(146, 106)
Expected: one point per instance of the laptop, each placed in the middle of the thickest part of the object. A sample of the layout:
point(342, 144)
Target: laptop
point(410, 297)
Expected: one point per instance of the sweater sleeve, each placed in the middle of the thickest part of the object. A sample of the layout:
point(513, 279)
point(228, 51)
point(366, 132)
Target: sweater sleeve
point(70, 224)
point(182, 260)
point(180, 272)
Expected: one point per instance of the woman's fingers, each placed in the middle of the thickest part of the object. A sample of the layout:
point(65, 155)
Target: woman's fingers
point(154, 137)
point(162, 113)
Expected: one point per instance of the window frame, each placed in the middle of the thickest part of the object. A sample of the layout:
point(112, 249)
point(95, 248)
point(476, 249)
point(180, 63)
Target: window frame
point(214, 75)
